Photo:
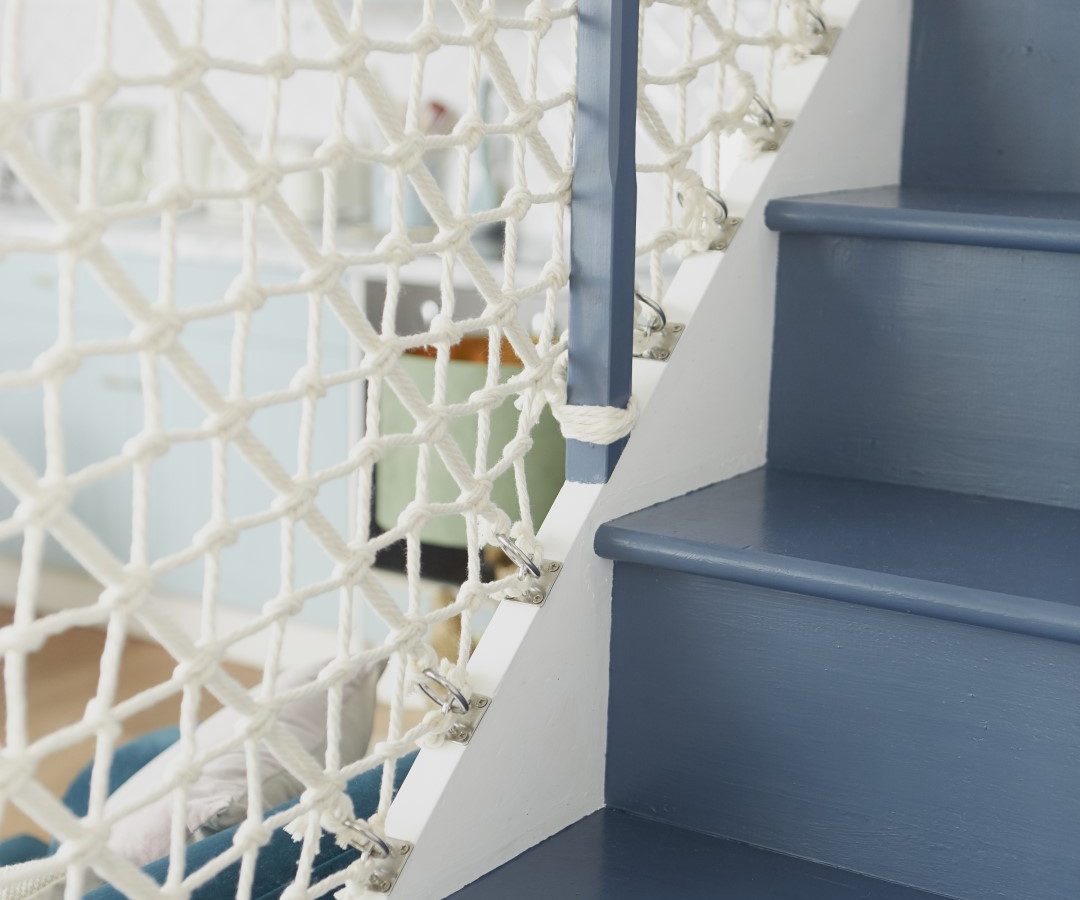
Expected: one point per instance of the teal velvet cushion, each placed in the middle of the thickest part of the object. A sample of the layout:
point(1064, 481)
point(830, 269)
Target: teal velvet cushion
point(276, 866)
point(21, 848)
point(127, 760)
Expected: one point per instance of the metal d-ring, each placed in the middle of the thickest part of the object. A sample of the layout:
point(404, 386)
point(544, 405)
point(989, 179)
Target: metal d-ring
point(817, 23)
point(372, 845)
point(453, 694)
point(525, 563)
point(716, 198)
point(764, 117)
point(659, 322)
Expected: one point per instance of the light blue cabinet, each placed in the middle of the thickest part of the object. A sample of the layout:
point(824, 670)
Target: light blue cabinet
point(103, 408)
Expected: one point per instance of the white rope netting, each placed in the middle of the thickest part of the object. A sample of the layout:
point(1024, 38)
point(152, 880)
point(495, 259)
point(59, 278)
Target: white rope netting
point(705, 95)
point(189, 75)
point(217, 93)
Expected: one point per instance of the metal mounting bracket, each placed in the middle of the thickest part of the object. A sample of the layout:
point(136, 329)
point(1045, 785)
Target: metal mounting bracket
point(770, 137)
point(764, 128)
point(826, 36)
point(533, 590)
point(659, 344)
point(384, 857)
point(465, 724)
point(730, 225)
point(826, 42)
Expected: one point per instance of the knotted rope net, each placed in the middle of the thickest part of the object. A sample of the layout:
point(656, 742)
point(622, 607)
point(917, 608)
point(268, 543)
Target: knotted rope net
point(192, 80)
point(705, 100)
point(170, 432)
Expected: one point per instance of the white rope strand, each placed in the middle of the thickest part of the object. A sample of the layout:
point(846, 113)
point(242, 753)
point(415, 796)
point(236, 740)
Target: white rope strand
point(466, 115)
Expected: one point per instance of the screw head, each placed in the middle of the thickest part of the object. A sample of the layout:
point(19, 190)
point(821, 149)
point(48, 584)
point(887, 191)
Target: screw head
point(534, 596)
point(554, 566)
point(460, 734)
point(379, 884)
point(676, 327)
point(480, 702)
point(404, 849)
point(658, 354)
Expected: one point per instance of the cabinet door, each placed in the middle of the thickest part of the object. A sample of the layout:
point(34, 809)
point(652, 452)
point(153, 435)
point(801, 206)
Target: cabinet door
point(103, 407)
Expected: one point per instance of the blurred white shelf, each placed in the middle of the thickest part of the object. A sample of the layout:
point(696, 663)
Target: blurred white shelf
point(206, 238)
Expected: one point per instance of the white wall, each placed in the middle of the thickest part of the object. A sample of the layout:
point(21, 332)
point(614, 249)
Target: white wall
point(536, 765)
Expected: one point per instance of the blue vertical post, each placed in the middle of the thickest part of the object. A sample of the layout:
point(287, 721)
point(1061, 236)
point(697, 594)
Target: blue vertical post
point(603, 213)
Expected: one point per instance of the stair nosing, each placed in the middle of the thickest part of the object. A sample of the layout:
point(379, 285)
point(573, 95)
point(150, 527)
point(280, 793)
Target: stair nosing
point(806, 215)
point(897, 593)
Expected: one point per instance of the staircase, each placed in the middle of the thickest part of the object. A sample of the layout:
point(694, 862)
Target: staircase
point(853, 673)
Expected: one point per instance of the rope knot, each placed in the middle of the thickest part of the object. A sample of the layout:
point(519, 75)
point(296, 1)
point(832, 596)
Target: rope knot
point(527, 118)
point(396, 249)
point(595, 424)
point(482, 32)
point(333, 152)
point(445, 329)
point(192, 63)
point(176, 196)
point(146, 445)
point(159, 333)
point(455, 237)
point(251, 834)
point(470, 131)
point(59, 361)
point(352, 57)
point(407, 153)
point(281, 65)
point(97, 87)
point(86, 846)
point(284, 606)
point(360, 560)
point(434, 429)
point(309, 382)
point(215, 536)
point(425, 40)
point(16, 769)
point(227, 423)
point(518, 202)
point(299, 502)
point(198, 669)
point(413, 517)
point(555, 273)
point(98, 716)
point(263, 180)
point(12, 121)
point(245, 293)
point(327, 275)
point(85, 233)
point(333, 807)
point(128, 596)
point(260, 721)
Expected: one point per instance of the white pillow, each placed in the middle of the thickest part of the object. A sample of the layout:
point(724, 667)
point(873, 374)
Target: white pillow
point(219, 797)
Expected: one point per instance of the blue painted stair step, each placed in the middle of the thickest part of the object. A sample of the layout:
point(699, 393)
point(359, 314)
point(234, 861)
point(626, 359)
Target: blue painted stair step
point(997, 563)
point(928, 337)
point(1014, 219)
point(875, 676)
point(614, 855)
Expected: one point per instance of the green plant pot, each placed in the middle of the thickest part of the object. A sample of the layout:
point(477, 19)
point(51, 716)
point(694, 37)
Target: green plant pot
point(395, 473)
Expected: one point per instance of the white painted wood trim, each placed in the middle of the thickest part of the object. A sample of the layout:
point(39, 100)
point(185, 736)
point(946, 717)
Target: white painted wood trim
point(536, 764)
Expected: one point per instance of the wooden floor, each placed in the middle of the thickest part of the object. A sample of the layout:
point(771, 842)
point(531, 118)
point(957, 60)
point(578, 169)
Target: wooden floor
point(62, 678)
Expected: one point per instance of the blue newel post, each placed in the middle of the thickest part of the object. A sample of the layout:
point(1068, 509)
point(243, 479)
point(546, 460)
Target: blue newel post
point(603, 217)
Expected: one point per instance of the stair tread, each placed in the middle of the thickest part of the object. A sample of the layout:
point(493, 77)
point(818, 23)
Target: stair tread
point(997, 563)
point(1022, 220)
point(615, 855)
